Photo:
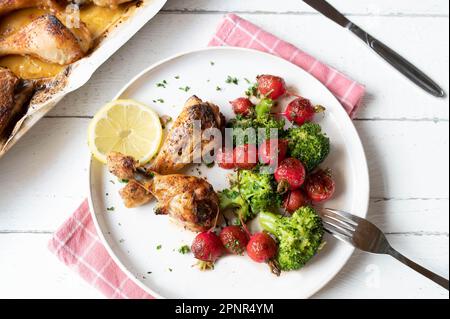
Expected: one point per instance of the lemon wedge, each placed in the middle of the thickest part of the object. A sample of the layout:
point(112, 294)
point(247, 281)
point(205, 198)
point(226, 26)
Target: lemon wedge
point(125, 126)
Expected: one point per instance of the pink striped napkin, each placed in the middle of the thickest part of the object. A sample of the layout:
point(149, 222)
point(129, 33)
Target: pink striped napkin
point(76, 242)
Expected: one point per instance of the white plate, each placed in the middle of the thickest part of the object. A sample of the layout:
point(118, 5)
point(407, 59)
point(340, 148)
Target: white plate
point(132, 235)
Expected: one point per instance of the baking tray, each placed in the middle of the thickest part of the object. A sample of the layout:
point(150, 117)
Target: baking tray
point(77, 74)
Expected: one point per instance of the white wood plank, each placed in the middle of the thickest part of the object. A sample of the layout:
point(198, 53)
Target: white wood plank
point(399, 7)
point(31, 271)
point(375, 276)
point(389, 94)
point(46, 174)
point(406, 159)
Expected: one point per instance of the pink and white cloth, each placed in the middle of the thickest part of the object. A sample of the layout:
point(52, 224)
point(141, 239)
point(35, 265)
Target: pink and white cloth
point(76, 242)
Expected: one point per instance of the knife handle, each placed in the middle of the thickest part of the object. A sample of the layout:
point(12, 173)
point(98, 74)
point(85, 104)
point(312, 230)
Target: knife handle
point(398, 62)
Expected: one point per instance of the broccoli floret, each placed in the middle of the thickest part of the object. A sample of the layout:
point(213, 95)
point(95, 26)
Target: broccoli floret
point(249, 194)
point(260, 119)
point(259, 190)
point(308, 144)
point(300, 236)
point(232, 199)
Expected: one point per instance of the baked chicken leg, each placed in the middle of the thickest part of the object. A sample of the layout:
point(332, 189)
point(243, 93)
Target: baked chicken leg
point(14, 93)
point(188, 199)
point(7, 6)
point(48, 39)
point(182, 145)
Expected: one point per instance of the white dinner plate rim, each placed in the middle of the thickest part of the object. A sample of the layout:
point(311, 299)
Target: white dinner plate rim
point(116, 259)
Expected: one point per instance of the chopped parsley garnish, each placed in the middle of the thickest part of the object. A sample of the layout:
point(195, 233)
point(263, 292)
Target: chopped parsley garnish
point(185, 89)
point(170, 269)
point(160, 100)
point(177, 77)
point(232, 80)
point(162, 84)
point(110, 209)
point(158, 247)
point(184, 249)
point(247, 80)
point(212, 62)
point(123, 180)
point(209, 165)
point(121, 240)
point(218, 88)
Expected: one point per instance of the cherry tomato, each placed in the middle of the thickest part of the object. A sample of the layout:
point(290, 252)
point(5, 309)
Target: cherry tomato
point(245, 156)
point(301, 110)
point(290, 172)
point(234, 239)
point(225, 158)
point(271, 86)
point(294, 200)
point(261, 247)
point(320, 185)
point(241, 106)
point(272, 151)
point(207, 246)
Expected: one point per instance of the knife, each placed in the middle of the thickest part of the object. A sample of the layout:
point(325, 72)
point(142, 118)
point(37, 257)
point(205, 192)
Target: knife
point(395, 59)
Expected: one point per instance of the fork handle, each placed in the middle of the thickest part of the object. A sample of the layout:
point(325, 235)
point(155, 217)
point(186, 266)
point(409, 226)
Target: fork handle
point(427, 273)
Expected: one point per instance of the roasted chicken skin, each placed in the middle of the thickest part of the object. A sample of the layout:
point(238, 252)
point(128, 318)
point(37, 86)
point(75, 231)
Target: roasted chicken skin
point(48, 39)
point(7, 6)
point(14, 93)
point(182, 146)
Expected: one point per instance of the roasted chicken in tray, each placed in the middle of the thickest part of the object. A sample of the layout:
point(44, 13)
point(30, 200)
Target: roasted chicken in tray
point(191, 200)
point(7, 6)
point(188, 199)
point(14, 93)
point(48, 39)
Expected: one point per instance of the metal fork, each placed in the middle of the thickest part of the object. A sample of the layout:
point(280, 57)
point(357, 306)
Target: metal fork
point(365, 236)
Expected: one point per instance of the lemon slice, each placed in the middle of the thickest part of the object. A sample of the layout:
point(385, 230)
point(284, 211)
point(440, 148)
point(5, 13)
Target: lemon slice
point(125, 126)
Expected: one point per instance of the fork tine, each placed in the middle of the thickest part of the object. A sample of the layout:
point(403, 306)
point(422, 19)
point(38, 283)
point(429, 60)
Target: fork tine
point(336, 233)
point(337, 228)
point(340, 222)
point(341, 215)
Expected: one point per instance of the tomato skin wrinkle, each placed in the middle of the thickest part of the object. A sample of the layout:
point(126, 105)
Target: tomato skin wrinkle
point(320, 185)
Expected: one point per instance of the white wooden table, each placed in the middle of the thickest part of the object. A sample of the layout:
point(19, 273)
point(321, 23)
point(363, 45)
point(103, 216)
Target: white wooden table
point(405, 133)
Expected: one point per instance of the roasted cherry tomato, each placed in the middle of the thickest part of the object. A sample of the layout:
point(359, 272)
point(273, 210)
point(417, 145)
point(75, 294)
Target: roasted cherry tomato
point(245, 156)
point(301, 110)
point(261, 247)
point(234, 239)
point(294, 200)
point(207, 246)
point(271, 86)
point(290, 174)
point(320, 186)
point(242, 106)
point(272, 151)
point(225, 158)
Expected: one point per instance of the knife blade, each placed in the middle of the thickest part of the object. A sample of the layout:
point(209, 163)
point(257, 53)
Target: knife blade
point(396, 60)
